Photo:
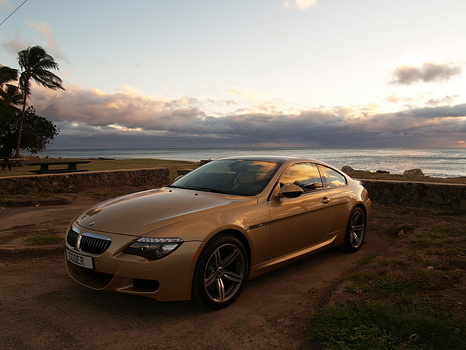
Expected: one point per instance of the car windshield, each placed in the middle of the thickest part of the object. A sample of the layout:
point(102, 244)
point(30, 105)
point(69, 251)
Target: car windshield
point(230, 176)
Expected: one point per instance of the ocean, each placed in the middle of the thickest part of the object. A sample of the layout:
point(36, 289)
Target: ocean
point(437, 162)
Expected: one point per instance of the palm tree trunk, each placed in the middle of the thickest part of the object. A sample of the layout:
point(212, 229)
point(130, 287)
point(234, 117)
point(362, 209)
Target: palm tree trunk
point(20, 128)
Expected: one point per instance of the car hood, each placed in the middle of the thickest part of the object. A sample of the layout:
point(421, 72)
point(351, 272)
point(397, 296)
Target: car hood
point(142, 212)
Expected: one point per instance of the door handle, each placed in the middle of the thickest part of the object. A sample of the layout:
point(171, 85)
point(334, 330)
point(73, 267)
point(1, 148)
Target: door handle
point(326, 200)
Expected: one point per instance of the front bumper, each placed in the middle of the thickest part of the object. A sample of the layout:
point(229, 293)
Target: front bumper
point(166, 279)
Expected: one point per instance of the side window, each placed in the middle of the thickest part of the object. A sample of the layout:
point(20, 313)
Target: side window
point(331, 178)
point(305, 175)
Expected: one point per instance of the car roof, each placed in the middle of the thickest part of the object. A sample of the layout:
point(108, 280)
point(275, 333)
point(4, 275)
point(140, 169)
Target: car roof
point(282, 160)
point(278, 159)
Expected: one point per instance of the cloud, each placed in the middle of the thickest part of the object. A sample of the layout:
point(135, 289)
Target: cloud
point(52, 45)
point(242, 92)
point(16, 43)
point(91, 118)
point(428, 72)
point(301, 5)
point(127, 108)
point(254, 100)
point(441, 101)
point(458, 111)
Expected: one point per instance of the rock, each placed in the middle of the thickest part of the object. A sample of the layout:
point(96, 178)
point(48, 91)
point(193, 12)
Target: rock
point(347, 169)
point(417, 172)
point(382, 172)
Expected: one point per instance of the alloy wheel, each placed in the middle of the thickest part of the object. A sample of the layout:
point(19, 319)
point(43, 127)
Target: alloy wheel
point(224, 273)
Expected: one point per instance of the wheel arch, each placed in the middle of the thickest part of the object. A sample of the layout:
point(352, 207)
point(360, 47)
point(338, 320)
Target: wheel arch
point(363, 207)
point(238, 235)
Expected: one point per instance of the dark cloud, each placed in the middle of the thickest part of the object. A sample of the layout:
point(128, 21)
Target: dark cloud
point(427, 72)
point(91, 119)
point(441, 111)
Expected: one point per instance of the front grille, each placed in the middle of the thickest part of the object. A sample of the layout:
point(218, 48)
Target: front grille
point(93, 244)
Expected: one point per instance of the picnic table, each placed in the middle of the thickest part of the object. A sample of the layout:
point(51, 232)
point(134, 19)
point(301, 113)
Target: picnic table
point(71, 166)
point(9, 161)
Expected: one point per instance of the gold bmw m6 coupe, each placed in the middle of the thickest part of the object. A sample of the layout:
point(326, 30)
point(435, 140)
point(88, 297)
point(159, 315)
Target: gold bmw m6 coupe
point(208, 232)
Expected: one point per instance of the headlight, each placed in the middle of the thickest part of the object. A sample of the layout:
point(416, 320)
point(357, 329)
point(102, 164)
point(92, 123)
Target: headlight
point(153, 248)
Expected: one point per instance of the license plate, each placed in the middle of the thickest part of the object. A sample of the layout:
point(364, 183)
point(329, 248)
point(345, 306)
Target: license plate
point(79, 260)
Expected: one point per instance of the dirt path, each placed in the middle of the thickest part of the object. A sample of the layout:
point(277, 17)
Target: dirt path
point(42, 308)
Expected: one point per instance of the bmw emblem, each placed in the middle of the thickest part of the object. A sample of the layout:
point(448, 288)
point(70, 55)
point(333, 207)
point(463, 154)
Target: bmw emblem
point(92, 223)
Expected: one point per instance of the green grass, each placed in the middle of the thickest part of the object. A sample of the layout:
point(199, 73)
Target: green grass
point(109, 164)
point(359, 326)
point(43, 239)
point(411, 296)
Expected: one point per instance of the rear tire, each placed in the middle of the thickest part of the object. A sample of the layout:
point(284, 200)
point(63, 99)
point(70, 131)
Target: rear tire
point(355, 230)
point(220, 273)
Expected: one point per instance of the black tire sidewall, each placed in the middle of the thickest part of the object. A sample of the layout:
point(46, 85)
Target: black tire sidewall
point(198, 291)
point(349, 247)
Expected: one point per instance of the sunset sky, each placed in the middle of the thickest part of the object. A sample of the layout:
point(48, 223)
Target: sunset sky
point(226, 73)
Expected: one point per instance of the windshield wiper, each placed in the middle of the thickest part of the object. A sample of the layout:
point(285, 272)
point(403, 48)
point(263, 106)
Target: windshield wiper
point(205, 189)
point(199, 188)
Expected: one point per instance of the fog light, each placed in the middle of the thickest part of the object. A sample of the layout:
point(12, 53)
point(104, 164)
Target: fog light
point(146, 285)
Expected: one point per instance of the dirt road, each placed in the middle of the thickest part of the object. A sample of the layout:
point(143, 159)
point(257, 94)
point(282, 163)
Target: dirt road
point(42, 308)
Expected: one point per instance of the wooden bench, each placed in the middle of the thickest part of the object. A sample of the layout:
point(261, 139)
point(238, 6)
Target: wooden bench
point(71, 166)
point(7, 162)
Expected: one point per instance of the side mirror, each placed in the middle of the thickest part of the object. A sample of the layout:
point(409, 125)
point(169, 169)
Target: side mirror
point(291, 191)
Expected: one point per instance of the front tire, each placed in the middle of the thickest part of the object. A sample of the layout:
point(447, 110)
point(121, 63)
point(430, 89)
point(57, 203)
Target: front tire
point(355, 230)
point(220, 273)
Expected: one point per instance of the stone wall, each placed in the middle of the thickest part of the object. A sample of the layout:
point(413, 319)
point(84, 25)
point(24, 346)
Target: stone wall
point(411, 194)
point(448, 197)
point(74, 182)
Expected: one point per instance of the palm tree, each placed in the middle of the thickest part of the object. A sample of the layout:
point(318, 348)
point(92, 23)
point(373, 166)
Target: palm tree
point(9, 93)
point(7, 74)
point(12, 96)
point(35, 64)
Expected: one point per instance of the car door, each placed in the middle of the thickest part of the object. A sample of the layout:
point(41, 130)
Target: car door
point(336, 185)
point(303, 221)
